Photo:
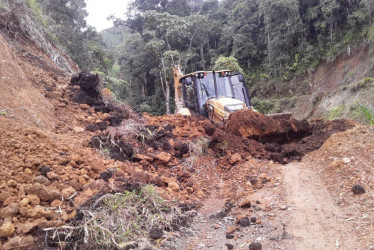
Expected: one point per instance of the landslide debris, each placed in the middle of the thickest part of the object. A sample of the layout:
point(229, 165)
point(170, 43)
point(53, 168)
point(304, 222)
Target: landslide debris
point(284, 138)
point(254, 125)
point(48, 177)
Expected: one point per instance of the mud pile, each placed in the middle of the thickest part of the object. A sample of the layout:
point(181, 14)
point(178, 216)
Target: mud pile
point(254, 125)
point(284, 138)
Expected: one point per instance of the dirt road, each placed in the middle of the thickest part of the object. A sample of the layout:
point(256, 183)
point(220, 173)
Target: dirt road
point(316, 222)
point(300, 213)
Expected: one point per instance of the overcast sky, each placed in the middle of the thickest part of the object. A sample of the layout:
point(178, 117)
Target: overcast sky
point(99, 10)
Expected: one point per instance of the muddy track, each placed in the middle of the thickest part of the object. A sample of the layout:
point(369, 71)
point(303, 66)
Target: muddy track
point(316, 222)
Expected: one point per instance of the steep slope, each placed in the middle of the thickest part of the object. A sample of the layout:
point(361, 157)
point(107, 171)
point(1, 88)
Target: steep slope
point(332, 90)
point(18, 97)
point(339, 85)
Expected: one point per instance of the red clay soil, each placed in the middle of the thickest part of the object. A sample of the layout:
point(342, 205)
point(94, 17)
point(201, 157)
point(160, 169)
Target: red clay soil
point(254, 125)
point(283, 139)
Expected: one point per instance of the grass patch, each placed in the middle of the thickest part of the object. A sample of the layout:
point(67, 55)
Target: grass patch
point(364, 83)
point(335, 113)
point(114, 221)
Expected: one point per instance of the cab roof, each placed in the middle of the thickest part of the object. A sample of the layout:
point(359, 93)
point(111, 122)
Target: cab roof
point(205, 72)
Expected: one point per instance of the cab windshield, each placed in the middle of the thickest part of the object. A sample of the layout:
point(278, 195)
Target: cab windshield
point(207, 87)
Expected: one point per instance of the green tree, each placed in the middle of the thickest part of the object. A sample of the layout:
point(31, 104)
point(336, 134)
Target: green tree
point(67, 21)
point(230, 63)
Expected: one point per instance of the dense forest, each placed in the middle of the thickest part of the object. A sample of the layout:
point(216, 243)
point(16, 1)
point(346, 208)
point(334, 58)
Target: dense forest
point(271, 41)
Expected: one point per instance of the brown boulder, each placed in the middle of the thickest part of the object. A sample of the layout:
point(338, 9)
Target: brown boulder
point(173, 186)
point(235, 158)
point(34, 199)
point(164, 157)
point(246, 203)
point(4, 195)
point(18, 242)
point(24, 202)
point(42, 180)
point(7, 230)
point(56, 203)
point(143, 157)
point(84, 106)
point(231, 229)
point(27, 227)
point(36, 212)
point(53, 176)
point(76, 185)
point(9, 211)
point(68, 192)
point(11, 200)
point(12, 183)
point(44, 193)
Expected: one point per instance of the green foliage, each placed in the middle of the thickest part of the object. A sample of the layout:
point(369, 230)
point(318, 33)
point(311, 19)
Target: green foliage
point(263, 106)
point(3, 6)
point(273, 105)
point(37, 11)
point(364, 83)
point(144, 107)
point(268, 41)
point(363, 113)
point(335, 113)
point(230, 63)
point(115, 36)
point(370, 33)
point(3, 112)
point(64, 23)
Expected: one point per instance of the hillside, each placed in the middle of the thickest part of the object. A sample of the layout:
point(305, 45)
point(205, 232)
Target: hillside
point(331, 91)
point(82, 170)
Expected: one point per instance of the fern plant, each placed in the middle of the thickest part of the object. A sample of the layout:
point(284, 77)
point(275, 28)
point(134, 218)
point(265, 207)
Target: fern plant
point(364, 113)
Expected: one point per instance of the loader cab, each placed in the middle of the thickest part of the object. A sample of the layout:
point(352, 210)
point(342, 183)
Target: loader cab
point(200, 87)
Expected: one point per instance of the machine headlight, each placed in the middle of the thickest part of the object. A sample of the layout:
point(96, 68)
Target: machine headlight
point(234, 107)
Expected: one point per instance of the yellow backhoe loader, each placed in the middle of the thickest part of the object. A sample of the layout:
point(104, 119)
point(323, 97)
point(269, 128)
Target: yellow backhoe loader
point(213, 94)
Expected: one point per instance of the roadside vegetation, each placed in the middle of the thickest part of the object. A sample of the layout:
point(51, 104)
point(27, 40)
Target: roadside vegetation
point(123, 220)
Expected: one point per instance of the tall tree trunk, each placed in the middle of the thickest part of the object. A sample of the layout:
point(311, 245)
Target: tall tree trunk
point(162, 85)
point(202, 56)
point(144, 85)
point(167, 88)
point(269, 46)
